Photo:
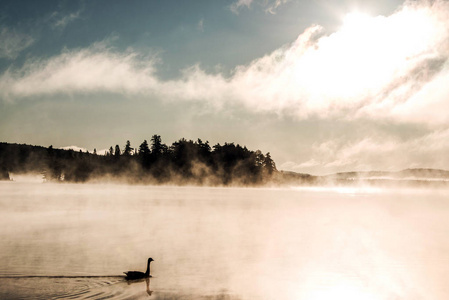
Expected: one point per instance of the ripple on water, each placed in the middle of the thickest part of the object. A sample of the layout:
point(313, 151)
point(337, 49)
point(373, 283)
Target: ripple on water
point(54, 287)
point(90, 287)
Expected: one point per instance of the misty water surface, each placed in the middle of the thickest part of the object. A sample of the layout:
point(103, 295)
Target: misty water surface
point(74, 241)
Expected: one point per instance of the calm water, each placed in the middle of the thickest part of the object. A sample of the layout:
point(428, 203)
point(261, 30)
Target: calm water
point(74, 241)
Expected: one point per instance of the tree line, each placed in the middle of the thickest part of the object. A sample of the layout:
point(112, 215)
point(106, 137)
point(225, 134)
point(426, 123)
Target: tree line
point(153, 162)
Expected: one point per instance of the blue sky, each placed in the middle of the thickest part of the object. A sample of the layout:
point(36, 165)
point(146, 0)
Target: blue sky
point(324, 86)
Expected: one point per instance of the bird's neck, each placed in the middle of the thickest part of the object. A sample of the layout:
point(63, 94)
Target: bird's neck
point(148, 269)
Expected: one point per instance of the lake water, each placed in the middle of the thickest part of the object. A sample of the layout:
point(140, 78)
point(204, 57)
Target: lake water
point(64, 241)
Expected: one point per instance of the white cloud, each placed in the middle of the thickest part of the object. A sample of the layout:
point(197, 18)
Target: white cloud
point(370, 68)
point(74, 148)
point(272, 6)
point(269, 6)
point(63, 21)
point(389, 68)
point(92, 70)
point(102, 151)
point(240, 3)
point(13, 42)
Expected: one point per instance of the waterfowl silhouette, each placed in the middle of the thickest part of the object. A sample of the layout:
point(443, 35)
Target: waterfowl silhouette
point(131, 275)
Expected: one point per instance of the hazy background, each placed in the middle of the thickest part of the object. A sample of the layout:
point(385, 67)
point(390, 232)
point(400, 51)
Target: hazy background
point(325, 86)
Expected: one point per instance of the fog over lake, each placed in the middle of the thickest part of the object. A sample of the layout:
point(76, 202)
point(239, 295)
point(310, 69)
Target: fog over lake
point(75, 241)
point(248, 149)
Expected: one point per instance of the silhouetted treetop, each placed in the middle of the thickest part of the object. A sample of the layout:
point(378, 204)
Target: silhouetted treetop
point(157, 148)
point(144, 149)
point(117, 151)
point(128, 150)
point(183, 162)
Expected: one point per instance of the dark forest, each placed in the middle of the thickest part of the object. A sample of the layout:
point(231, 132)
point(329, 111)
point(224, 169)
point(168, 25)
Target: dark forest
point(184, 162)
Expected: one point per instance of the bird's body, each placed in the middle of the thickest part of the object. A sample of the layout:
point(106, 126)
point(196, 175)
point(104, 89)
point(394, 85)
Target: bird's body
point(135, 275)
point(131, 275)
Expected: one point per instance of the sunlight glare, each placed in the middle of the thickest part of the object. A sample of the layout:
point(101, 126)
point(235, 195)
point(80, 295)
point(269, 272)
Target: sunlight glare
point(344, 290)
point(358, 190)
point(355, 19)
point(366, 55)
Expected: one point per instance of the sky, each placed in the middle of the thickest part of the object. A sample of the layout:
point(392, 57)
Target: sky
point(324, 86)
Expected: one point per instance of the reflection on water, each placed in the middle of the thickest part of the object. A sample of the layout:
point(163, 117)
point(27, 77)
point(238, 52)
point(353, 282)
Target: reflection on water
point(75, 242)
point(61, 287)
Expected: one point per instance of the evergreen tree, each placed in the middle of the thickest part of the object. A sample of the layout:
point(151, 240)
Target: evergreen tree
point(128, 150)
point(144, 149)
point(260, 159)
point(269, 164)
point(157, 148)
point(204, 150)
point(117, 152)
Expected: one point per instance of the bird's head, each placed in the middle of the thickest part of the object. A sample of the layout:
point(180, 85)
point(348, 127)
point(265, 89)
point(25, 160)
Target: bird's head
point(150, 259)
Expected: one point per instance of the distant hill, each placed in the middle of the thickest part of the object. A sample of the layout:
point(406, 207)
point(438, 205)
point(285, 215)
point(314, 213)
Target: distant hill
point(407, 174)
point(409, 177)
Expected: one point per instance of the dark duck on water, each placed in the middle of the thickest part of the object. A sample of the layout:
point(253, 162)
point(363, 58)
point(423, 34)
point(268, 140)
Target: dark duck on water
point(131, 275)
